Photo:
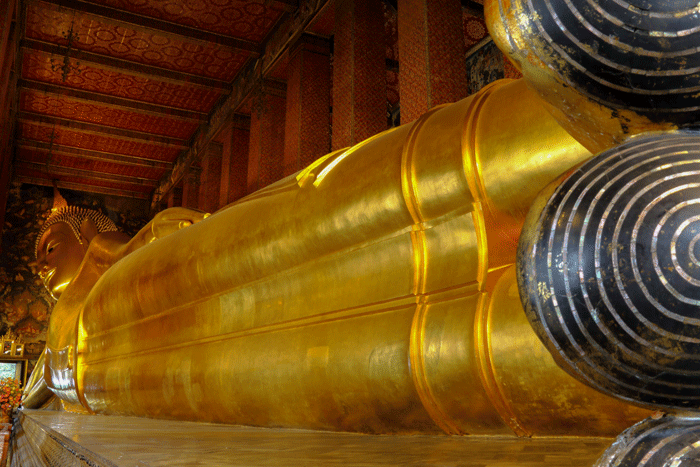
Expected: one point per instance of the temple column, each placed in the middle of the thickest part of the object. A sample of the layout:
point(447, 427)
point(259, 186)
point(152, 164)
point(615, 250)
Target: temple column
point(9, 36)
point(175, 197)
point(224, 178)
point(234, 162)
point(190, 188)
point(307, 134)
point(359, 72)
point(210, 180)
point(432, 70)
point(266, 151)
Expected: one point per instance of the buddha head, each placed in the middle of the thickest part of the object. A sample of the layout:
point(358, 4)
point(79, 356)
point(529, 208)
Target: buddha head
point(62, 243)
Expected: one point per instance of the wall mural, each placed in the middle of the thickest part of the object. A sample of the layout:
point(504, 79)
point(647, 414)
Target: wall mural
point(25, 304)
point(484, 61)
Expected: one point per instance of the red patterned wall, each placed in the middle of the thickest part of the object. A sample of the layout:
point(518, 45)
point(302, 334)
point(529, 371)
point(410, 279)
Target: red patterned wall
point(474, 29)
point(359, 72)
point(265, 164)
point(432, 71)
point(307, 120)
point(210, 183)
point(238, 164)
point(272, 140)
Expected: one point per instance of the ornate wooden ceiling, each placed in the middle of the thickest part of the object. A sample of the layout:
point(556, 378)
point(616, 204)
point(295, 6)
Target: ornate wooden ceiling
point(122, 96)
point(112, 92)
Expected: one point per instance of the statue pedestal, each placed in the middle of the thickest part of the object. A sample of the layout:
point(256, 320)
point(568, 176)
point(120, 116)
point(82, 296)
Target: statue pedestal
point(70, 439)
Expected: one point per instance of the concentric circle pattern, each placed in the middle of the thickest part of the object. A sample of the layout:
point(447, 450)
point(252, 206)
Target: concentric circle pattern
point(609, 273)
point(666, 441)
point(641, 55)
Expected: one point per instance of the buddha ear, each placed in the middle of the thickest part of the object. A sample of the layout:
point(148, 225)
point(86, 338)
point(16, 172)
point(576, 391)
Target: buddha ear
point(88, 230)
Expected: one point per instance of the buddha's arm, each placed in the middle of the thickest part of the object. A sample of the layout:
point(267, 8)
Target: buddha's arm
point(163, 223)
point(36, 392)
point(60, 342)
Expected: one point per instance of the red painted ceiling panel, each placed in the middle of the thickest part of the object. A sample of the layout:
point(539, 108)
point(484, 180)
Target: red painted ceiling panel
point(51, 23)
point(34, 132)
point(244, 19)
point(64, 107)
point(37, 66)
point(22, 171)
point(74, 162)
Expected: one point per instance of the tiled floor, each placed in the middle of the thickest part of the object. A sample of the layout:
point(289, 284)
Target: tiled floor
point(125, 441)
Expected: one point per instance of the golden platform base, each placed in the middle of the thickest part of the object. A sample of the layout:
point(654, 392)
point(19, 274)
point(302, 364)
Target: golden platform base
point(63, 439)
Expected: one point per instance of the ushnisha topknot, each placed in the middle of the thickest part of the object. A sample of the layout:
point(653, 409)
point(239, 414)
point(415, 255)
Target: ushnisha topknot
point(74, 217)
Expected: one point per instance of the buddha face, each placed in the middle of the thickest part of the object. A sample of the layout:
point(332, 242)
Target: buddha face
point(58, 257)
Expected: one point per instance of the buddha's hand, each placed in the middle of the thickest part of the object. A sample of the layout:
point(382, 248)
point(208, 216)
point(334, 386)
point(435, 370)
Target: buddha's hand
point(173, 219)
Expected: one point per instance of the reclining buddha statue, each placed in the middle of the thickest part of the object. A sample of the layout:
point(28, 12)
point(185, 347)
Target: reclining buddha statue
point(373, 291)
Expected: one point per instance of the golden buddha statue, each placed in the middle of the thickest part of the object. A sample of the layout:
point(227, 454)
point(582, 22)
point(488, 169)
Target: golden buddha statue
point(62, 242)
point(373, 291)
point(74, 247)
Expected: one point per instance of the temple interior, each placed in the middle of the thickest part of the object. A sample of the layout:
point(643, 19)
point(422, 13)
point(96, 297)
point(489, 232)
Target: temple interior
point(134, 107)
point(227, 107)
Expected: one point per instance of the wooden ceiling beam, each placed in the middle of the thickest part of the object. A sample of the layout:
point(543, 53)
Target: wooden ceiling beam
point(109, 106)
point(115, 101)
point(92, 155)
point(167, 27)
point(284, 5)
point(92, 128)
point(81, 187)
point(85, 174)
point(139, 69)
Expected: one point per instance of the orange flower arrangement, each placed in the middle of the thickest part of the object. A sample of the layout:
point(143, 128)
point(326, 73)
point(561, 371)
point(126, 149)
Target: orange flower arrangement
point(10, 395)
